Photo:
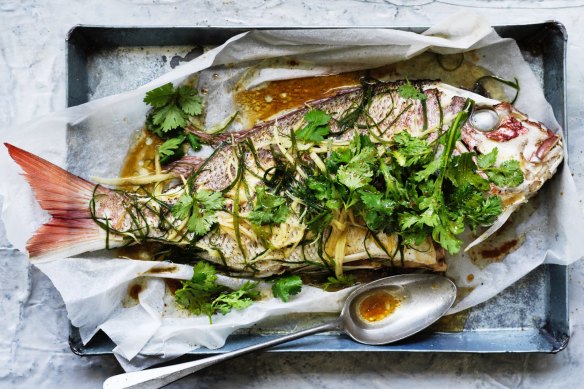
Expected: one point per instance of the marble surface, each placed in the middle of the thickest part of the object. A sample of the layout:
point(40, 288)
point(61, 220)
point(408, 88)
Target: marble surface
point(34, 351)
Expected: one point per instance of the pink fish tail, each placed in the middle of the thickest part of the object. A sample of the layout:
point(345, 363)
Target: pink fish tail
point(66, 197)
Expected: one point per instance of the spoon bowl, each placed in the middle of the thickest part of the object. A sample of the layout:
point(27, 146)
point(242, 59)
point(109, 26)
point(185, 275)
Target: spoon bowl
point(412, 302)
point(380, 312)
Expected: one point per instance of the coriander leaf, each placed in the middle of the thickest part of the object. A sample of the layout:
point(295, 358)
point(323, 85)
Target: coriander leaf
point(204, 276)
point(200, 210)
point(462, 170)
point(508, 174)
point(378, 211)
point(408, 219)
point(286, 286)
point(316, 126)
point(237, 299)
point(408, 91)
point(485, 213)
point(354, 176)
point(338, 157)
point(269, 208)
point(194, 141)
point(189, 101)
point(339, 282)
point(212, 201)
point(359, 143)
point(317, 117)
point(485, 161)
point(446, 238)
point(172, 108)
point(168, 148)
point(358, 172)
point(160, 96)
point(430, 169)
point(411, 150)
point(376, 201)
point(169, 117)
point(200, 221)
point(201, 295)
point(312, 134)
point(372, 200)
point(182, 209)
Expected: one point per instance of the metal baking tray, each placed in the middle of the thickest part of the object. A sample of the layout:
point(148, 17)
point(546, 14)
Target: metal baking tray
point(530, 316)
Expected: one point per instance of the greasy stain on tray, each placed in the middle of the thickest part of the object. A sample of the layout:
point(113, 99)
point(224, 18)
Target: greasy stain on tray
point(457, 321)
point(451, 323)
point(378, 305)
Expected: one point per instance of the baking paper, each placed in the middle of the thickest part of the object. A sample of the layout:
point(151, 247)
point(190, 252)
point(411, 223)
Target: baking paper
point(92, 139)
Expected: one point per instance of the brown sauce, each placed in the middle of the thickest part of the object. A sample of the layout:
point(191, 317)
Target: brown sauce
point(142, 252)
point(262, 102)
point(140, 157)
point(377, 306)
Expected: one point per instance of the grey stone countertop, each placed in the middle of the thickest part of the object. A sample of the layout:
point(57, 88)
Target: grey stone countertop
point(34, 350)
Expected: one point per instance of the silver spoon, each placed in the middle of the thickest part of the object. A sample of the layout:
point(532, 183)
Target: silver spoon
point(380, 312)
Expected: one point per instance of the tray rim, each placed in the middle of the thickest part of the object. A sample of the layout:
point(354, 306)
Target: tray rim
point(555, 333)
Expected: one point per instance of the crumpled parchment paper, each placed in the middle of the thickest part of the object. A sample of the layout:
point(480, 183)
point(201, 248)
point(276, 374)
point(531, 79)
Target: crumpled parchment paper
point(92, 139)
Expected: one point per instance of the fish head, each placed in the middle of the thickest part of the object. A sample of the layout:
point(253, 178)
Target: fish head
point(538, 150)
point(495, 124)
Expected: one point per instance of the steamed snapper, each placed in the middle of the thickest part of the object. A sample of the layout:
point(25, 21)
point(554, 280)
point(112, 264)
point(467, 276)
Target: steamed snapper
point(387, 174)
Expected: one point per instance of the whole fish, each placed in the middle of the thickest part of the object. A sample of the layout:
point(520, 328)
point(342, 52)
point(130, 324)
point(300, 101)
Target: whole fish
point(272, 156)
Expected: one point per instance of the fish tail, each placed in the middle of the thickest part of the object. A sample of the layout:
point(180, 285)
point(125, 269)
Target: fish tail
point(66, 198)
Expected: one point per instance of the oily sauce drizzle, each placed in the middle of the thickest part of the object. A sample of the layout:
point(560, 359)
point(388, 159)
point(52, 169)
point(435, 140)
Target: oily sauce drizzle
point(274, 97)
point(378, 305)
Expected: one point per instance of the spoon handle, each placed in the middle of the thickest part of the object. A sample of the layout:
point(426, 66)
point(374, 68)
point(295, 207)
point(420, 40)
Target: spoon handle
point(159, 377)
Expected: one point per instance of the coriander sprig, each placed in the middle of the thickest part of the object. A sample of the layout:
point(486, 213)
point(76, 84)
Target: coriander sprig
point(172, 109)
point(201, 295)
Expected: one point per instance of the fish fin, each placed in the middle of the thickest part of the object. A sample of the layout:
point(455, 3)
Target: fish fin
point(62, 238)
point(62, 194)
point(66, 198)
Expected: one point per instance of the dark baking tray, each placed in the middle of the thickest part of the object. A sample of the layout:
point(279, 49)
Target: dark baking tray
point(530, 316)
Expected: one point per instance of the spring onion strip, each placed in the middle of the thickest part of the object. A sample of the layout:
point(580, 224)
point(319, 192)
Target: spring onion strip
point(135, 180)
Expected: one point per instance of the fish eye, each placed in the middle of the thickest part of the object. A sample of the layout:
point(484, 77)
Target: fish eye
point(484, 119)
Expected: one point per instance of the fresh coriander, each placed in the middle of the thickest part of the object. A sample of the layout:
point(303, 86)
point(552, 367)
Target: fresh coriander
point(172, 108)
point(269, 208)
point(339, 282)
point(200, 210)
point(284, 287)
point(316, 128)
point(171, 148)
point(508, 174)
point(201, 295)
point(409, 91)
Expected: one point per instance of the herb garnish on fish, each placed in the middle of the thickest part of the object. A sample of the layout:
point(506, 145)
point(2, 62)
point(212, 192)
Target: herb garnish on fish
point(172, 109)
point(370, 178)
